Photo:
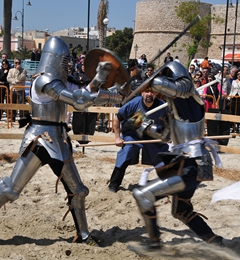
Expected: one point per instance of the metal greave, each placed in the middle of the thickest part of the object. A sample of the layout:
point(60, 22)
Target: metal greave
point(77, 197)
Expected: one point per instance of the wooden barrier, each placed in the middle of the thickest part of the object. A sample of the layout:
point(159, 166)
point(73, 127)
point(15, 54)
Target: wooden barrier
point(113, 110)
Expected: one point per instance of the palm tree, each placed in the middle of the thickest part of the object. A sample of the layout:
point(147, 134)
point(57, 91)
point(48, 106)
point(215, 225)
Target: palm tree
point(7, 24)
point(102, 14)
point(23, 53)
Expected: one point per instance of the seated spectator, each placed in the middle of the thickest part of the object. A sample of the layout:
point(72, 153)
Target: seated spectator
point(212, 94)
point(232, 74)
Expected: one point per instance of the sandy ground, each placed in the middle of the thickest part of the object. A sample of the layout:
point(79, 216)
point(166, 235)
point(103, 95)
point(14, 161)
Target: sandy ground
point(32, 226)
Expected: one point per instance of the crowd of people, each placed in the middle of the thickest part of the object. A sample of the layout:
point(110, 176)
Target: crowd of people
point(12, 78)
point(225, 91)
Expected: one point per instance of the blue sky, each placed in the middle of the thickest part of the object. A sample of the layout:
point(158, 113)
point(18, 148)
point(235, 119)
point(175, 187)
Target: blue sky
point(60, 14)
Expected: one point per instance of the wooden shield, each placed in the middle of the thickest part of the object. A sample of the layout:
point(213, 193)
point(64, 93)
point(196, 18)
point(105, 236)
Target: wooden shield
point(118, 73)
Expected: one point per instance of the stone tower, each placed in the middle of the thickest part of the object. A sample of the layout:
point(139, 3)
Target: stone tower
point(156, 25)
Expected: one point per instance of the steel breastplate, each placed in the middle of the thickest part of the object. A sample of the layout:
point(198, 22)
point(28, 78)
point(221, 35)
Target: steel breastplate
point(54, 111)
point(184, 132)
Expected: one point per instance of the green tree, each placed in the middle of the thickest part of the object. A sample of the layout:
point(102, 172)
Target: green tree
point(7, 23)
point(25, 53)
point(120, 43)
point(200, 32)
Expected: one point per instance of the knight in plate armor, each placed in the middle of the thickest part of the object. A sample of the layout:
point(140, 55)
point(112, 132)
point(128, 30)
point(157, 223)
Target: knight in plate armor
point(45, 139)
point(187, 165)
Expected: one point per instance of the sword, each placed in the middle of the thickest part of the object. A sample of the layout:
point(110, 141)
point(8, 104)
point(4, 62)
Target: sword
point(148, 81)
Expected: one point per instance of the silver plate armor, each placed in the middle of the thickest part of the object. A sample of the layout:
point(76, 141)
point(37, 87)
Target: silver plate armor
point(54, 58)
point(146, 196)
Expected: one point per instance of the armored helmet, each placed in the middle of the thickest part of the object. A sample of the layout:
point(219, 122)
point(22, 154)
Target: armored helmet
point(54, 58)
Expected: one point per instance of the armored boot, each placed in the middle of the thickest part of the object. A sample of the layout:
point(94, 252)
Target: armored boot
point(77, 192)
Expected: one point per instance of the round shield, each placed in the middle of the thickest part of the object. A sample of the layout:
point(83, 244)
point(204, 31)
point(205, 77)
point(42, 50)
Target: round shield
point(118, 73)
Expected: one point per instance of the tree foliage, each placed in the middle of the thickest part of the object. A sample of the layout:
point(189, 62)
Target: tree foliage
point(25, 53)
point(120, 43)
point(200, 32)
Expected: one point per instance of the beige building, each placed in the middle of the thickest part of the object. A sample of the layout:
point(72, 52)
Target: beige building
point(156, 25)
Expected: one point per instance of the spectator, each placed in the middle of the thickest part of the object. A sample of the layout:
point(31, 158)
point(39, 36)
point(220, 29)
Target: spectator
point(232, 74)
point(82, 57)
point(145, 58)
point(3, 82)
point(205, 64)
point(128, 153)
point(168, 58)
point(141, 61)
point(33, 55)
point(205, 73)
point(198, 75)
point(197, 84)
point(177, 59)
point(226, 85)
point(16, 79)
point(132, 65)
point(197, 64)
point(212, 93)
point(214, 69)
point(37, 55)
point(5, 57)
point(234, 94)
point(149, 72)
point(192, 70)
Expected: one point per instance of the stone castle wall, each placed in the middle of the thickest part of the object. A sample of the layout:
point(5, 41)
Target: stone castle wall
point(156, 25)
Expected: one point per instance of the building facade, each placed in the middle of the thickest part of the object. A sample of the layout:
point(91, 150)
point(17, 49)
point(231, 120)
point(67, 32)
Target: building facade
point(156, 25)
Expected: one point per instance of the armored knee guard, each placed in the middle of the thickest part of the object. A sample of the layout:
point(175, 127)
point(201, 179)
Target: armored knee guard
point(76, 197)
point(24, 169)
point(146, 196)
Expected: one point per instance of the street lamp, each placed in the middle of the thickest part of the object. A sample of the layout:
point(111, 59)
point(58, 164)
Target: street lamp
point(15, 18)
point(136, 49)
point(105, 22)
